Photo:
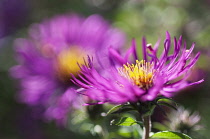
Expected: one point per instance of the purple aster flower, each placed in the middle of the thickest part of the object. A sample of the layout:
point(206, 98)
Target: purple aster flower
point(52, 52)
point(133, 80)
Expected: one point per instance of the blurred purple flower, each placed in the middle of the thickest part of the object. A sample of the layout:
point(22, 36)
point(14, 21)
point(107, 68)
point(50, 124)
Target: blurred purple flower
point(131, 80)
point(52, 52)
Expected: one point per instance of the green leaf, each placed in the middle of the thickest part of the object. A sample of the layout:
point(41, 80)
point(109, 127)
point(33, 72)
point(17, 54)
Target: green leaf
point(166, 100)
point(113, 109)
point(168, 105)
point(170, 135)
point(124, 121)
point(120, 109)
point(159, 126)
point(139, 123)
point(163, 97)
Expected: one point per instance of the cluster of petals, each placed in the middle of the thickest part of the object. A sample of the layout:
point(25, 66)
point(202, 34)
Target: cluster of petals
point(183, 120)
point(38, 54)
point(171, 71)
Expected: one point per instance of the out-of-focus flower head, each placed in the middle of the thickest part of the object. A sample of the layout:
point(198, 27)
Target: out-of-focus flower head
point(52, 53)
point(182, 120)
point(133, 80)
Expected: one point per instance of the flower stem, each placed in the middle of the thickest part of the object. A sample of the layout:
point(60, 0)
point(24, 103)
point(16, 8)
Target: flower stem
point(147, 127)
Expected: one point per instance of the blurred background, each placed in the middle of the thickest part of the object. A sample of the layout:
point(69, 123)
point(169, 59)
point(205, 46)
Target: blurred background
point(136, 18)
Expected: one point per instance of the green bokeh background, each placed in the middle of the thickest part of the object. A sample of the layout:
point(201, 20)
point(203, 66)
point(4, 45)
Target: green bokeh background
point(137, 18)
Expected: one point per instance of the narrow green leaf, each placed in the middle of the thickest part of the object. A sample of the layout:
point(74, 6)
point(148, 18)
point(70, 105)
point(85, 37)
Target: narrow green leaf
point(160, 97)
point(168, 105)
point(120, 109)
point(139, 123)
point(165, 99)
point(113, 109)
point(124, 121)
point(170, 135)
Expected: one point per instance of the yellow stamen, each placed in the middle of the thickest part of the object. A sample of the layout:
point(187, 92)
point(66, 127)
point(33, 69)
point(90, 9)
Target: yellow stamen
point(140, 74)
point(67, 62)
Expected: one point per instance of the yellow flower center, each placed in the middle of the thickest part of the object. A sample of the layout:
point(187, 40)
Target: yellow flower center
point(67, 62)
point(140, 74)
